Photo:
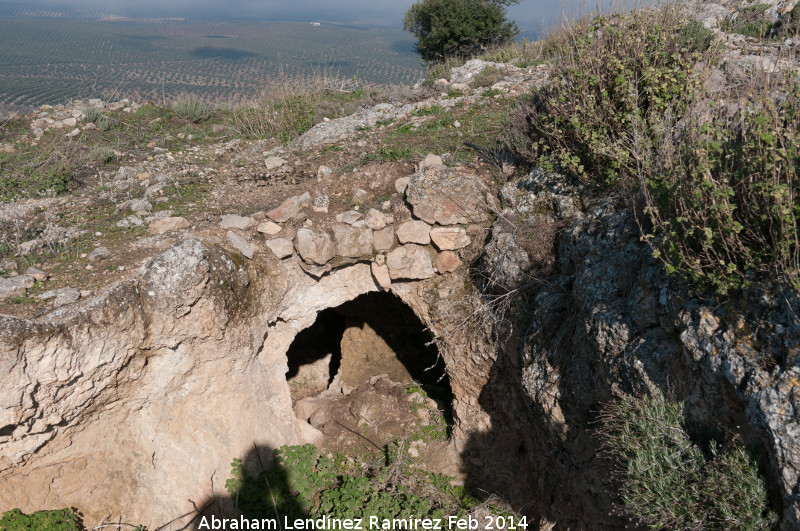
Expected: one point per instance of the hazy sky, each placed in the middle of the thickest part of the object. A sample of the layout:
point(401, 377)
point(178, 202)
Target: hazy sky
point(529, 13)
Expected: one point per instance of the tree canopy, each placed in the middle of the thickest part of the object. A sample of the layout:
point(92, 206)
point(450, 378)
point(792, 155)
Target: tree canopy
point(448, 28)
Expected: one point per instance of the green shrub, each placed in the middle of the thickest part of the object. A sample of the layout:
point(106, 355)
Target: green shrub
point(667, 482)
point(104, 122)
point(616, 81)
point(488, 77)
point(92, 114)
point(100, 154)
point(32, 181)
point(749, 21)
point(724, 197)
point(458, 28)
point(192, 110)
point(61, 520)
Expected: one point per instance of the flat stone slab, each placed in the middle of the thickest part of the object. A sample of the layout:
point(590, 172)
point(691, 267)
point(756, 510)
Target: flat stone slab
point(449, 238)
point(273, 163)
point(414, 232)
point(447, 262)
point(269, 227)
point(410, 262)
point(314, 247)
point(15, 286)
point(232, 221)
point(281, 247)
point(61, 296)
point(349, 217)
point(162, 225)
point(352, 242)
point(383, 239)
point(441, 195)
point(242, 245)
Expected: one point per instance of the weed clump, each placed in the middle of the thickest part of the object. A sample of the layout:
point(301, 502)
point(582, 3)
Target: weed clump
point(724, 198)
point(191, 110)
point(668, 482)
point(616, 82)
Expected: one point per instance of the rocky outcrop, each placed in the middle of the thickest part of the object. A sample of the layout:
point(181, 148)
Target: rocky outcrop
point(611, 322)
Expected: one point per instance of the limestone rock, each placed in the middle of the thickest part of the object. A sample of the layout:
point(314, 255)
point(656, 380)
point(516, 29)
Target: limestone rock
point(441, 195)
point(168, 224)
point(414, 232)
point(380, 272)
point(473, 67)
point(269, 227)
point(140, 205)
point(383, 239)
point(359, 195)
point(311, 379)
point(61, 297)
point(447, 262)
point(449, 238)
point(286, 211)
point(410, 262)
point(314, 247)
point(505, 260)
point(232, 221)
point(401, 184)
point(321, 204)
point(37, 274)
point(242, 245)
point(375, 219)
point(31, 246)
point(281, 247)
point(352, 242)
point(273, 163)
point(130, 221)
point(14, 286)
point(99, 254)
point(349, 217)
point(430, 161)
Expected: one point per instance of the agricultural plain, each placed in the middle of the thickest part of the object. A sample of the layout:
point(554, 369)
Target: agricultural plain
point(50, 60)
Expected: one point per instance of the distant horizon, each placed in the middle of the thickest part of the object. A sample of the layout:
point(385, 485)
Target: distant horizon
point(528, 14)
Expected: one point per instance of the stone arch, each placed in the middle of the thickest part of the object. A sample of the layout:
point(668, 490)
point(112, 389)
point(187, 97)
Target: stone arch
point(376, 333)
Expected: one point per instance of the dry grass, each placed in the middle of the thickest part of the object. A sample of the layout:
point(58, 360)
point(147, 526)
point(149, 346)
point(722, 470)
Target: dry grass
point(286, 109)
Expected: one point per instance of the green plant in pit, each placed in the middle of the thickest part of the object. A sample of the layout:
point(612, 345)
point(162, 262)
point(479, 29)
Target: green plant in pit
point(302, 483)
point(192, 110)
point(617, 81)
point(60, 520)
point(667, 482)
point(724, 199)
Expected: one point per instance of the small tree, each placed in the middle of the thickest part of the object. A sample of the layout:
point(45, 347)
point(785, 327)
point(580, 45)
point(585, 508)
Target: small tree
point(447, 28)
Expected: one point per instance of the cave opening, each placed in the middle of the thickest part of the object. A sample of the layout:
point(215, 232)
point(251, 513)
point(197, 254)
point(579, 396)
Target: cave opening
point(348, 347)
